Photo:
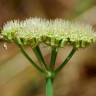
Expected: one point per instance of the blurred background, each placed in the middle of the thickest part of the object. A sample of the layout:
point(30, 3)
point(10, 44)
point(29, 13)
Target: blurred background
point(19, 78)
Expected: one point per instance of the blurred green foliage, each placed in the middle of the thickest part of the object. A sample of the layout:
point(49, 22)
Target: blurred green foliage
point(82, 6)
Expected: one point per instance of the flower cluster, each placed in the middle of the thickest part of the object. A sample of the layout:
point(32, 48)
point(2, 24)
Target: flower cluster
point(56, 32)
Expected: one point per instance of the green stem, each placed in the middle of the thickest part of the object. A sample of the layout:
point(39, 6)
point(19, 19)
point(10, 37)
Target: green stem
point(39, 56)
point(32, 62)
point(49, 87)
point(53, 57)
point(66, 60)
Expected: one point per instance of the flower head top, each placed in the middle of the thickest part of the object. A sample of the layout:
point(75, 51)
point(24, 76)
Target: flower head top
point(56, 32)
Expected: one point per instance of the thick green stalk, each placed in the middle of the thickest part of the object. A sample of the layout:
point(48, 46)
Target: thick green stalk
point(39, 56)
point(53, 57)
point(66, 60)
point(49, 87)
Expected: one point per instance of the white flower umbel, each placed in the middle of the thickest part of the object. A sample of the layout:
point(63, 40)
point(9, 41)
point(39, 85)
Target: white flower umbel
point(57, 32)
point(10, 28)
